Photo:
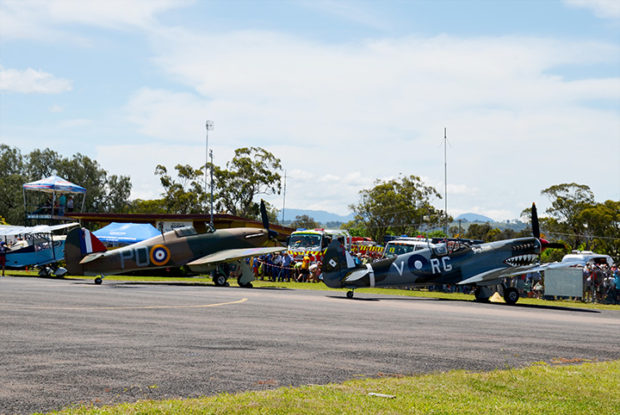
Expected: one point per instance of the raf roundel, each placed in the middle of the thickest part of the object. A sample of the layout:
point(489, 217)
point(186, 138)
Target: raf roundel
point(417, 263)
point(160, 255)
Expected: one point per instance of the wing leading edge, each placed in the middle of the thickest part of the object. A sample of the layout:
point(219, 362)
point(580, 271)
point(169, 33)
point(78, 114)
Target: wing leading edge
point(233, 254)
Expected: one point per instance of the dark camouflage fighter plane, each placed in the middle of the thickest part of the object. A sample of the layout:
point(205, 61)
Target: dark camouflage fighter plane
point(201, 252)
point(453, 262)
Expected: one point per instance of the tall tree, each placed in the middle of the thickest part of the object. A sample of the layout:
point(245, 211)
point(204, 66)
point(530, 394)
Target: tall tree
point(602, 224)
point(105, 193)
point(568, 200)
point(185, 193)
point(252, 171)
point(396, 206)
point(11, 181)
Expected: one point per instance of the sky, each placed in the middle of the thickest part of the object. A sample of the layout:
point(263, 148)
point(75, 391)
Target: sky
point(344, 93)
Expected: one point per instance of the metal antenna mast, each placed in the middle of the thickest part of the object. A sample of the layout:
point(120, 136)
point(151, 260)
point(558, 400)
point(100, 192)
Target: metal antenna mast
point(445, 175)
point(284, 196)
point(208, 126)
point(211, 220)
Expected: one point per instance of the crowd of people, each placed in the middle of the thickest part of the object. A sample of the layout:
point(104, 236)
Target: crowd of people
point(283, 266)
point(601, 284)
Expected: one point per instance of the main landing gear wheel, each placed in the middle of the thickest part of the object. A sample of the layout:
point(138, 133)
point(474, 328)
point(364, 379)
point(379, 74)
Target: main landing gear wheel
point(98, 280)
point(350, 294)
point(220, 280)
point(511, 295)
point(481, 295)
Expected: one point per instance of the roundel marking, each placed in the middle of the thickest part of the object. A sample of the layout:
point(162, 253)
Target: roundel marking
point(160, 255)
point(417, 262)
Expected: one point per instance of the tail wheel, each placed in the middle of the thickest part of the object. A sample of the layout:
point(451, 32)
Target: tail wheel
point(98, 280)
point(511, 295)
point(350, 294)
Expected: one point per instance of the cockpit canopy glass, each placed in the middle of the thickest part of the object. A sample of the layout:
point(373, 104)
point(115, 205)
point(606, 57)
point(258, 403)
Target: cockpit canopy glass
point(185, 231)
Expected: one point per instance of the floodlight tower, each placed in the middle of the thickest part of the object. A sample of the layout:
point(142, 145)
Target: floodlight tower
point(208, 126)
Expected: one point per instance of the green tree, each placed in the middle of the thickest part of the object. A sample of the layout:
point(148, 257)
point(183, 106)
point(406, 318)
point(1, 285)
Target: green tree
point(568, 200)
point(304, 221)
point(602, 224)
point(105, 193)
point(11, 181)
point(185, 194)
point(252, 171)
point(396, 207)
point(147, 206)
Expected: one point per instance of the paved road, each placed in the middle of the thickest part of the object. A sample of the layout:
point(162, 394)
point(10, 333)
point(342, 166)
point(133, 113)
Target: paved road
point(65, 342)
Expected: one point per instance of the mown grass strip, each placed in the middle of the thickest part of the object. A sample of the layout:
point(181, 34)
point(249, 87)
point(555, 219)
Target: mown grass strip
point(589, 388)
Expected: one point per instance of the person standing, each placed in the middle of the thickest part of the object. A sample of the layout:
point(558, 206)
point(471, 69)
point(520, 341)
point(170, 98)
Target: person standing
point(287, 260)
point(3, 250)
point(70, 204)
point(62, 204)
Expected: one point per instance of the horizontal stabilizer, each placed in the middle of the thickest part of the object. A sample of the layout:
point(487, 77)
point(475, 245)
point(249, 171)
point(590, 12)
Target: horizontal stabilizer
point(357, 275)
point(91, 257)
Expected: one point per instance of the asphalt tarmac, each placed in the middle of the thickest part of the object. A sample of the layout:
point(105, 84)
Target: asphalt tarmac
point(68, 342)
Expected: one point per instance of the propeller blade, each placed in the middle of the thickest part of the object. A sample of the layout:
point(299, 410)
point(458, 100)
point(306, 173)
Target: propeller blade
point(265, 218)
point(535, 224)
point(263, 214)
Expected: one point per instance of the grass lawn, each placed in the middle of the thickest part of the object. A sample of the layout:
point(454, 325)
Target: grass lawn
point(588, 388)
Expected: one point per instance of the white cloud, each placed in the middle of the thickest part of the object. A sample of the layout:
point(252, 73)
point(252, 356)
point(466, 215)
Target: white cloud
point(32, 81)
point(43, 19)
point(605, 9)
point(340, 116)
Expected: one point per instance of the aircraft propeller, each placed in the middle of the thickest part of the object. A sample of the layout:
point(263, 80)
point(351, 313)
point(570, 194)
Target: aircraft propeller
point(263, 213)
point(536, 232)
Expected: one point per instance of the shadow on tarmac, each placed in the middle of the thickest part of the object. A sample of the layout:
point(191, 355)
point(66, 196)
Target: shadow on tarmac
point(518, 305)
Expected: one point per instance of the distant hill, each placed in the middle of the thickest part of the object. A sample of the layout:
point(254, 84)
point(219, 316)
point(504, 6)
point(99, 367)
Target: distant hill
point(320, 216)
point(474, 217)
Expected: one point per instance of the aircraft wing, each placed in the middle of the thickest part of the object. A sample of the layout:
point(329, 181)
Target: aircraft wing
point(232, 254)
point(10, 230)
point(498, 273)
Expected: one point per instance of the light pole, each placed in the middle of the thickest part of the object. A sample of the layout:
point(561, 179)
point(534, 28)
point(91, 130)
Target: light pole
point(208, 126)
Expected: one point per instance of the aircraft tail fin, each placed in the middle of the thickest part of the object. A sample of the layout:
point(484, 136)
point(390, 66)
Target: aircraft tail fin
point(336, 265)
point(80, 242)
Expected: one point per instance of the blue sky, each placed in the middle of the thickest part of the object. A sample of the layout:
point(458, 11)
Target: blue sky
point(343, 92)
